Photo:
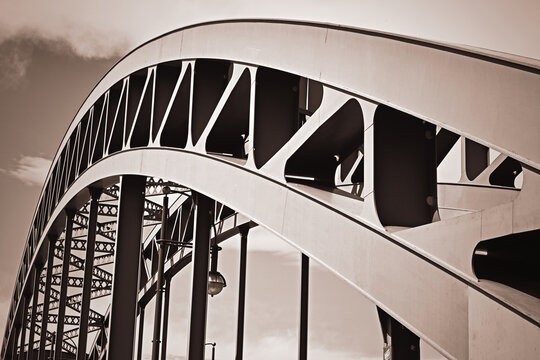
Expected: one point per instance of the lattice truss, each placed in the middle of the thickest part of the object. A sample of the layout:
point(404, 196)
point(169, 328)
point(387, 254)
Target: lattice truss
point(101, 272)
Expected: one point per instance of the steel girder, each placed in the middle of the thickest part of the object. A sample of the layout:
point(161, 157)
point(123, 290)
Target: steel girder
point(430, 106)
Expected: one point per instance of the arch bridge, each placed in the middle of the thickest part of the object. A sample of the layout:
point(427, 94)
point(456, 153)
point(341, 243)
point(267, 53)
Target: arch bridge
point(331, 138)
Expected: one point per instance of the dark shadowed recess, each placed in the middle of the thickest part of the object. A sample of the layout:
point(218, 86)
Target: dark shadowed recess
point(175, 130)
point(405, 168)
point(283, 102)
point(210, 80)
point(476, 158)
point(117, 108)
point(505, 174)
point(72, 158)
point(84, 141)
point(316, 161)
point(229, 133)
point(511, 260)
point(135, 89)
point(98, 129)
point(167, 77)
point(143, 115)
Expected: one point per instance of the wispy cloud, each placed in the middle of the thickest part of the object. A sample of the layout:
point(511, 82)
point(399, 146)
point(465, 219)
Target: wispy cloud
point(100, 30)
point(15, 58)
point(31, 170)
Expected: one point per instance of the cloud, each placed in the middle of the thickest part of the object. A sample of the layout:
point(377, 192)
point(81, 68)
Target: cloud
point(31, 170)
point(98, 30)
point(15, 57)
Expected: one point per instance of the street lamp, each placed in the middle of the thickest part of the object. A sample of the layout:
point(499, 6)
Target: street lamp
point(216, 281)
point(213, 349)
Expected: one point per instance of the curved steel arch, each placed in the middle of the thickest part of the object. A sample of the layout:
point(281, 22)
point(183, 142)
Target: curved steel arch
point(306, 212)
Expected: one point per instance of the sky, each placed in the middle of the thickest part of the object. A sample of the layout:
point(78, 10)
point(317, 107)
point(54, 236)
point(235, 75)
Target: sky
point(52, 56)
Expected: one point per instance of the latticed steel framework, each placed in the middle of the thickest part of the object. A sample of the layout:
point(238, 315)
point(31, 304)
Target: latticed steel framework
point(328, 136)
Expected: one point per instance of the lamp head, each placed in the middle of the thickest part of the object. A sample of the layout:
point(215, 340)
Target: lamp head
point(216, 283)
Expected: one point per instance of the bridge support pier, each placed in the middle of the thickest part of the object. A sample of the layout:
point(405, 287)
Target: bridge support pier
point(64, 285)
point(35, 296)
point(126, 268)
point(241, 293)
point(95, 193)
point(199, 286)
point(141, 333)
point(167, 293)
point(399, 342)
point(159, 282)
point(13, 345)
point(304, 301)
point(46, 297)
point(24, 315)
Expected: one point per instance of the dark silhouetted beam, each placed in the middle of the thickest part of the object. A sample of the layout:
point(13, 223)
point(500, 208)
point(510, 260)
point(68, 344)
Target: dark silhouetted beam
point(126, 268)
point(199, 286)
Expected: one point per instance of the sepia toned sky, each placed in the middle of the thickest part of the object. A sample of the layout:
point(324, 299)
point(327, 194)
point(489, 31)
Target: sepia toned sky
point(51, 56)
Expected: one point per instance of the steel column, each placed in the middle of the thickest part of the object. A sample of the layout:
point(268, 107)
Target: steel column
point(35, 296)
point(199, 287)
point(46, 297)
point(165, 319)
point(70, 213)
point(141, 333)
point(399, 342)
point(304, 300)
point(95, 193)
point(159, 281)
point(53, 342)
point(23, 325)
point(126, 268)
point(241, 293)
point(14, 338)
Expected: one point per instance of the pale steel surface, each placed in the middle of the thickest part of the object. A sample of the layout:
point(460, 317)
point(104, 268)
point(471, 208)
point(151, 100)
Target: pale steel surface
point(446, 88)
point(327, 237)
point(495, 333)
point(471, 197)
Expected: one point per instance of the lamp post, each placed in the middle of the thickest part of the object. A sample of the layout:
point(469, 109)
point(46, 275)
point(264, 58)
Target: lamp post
point(213, 349)
point(159, 282)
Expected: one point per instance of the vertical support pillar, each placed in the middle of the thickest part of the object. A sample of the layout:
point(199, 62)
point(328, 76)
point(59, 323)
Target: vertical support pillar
point(241, 293)
point(199, 286)
point(47, 297)
point(159, 282)
point(399, 342)
point(304, 301)
point(24, 315)
point(14, 338)
point(53, 342)
point(141, 333)
point(35, 296)
point(70, 213)
point(165, 319)
point(95, 193)
point(126, 268)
